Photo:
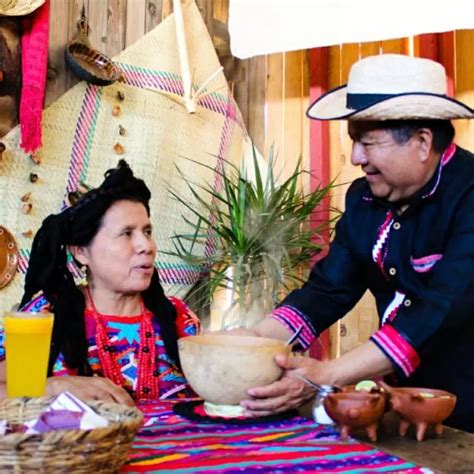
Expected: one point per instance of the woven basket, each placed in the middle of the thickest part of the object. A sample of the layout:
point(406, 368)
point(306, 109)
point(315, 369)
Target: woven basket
point(102, 450)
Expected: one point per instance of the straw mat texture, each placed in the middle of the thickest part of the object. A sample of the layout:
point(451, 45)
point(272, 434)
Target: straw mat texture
point(142, 119)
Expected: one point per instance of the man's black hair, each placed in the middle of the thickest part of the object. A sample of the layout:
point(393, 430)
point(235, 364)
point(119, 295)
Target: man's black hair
point(403, 130)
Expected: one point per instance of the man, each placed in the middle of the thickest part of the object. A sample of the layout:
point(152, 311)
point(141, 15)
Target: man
point(407, 235)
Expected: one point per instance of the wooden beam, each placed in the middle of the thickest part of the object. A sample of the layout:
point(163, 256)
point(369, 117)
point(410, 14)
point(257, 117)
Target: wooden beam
point(428, 46)
point(439, 47)
point(318, 66)
point(446, 56)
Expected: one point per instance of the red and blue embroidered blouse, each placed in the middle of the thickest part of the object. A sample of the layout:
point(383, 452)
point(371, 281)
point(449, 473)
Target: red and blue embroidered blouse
point(123, 334)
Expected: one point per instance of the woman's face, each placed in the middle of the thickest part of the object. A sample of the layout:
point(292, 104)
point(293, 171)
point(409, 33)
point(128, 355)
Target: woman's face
point(121, 255)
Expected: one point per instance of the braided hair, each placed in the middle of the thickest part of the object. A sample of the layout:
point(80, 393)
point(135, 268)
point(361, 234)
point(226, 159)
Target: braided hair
point(48, 271)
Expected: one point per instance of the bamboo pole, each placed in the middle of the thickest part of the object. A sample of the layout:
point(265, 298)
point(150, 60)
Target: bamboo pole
point(189, 101)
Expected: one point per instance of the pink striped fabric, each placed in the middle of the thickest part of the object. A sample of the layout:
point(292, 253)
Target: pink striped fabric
point(34, 52)
point(397, 348)
point(291, 319)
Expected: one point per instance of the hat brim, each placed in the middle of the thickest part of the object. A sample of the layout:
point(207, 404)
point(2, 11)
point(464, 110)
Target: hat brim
point(21, 9)
point(408, 106)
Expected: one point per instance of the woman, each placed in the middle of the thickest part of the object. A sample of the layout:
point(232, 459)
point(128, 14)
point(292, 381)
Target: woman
point(119, 327)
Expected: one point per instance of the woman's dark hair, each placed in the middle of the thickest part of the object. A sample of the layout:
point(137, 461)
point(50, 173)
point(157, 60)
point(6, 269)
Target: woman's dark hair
point(48, 270)
point(403, 130)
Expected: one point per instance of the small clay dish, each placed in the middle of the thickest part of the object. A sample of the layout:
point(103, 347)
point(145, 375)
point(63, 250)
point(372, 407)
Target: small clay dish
point(91, 65)
point(8, 257)
point(354, 410)
point(421, 407)
point(86, 62)
point(377, 389)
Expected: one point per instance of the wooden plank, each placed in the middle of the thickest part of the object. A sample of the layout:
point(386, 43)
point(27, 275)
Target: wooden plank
point(464, 45)
point(274, 104)
point(318, 69)
point(206, 9)
point(369, 49)
point(221, 10)
point(446, 56)
point(135, 21)
point(334, 80)
point(257, 78)
point(167, 9)
point(97, 16)
point(395, 46)
point(427, 46)
point(350, 53)
point(59, 78)
point(293, 112)
point(116, 22)
point(153, 14)
point(240, 90)
point(305, 134)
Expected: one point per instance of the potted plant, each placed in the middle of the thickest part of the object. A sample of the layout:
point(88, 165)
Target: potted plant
point(264, 236)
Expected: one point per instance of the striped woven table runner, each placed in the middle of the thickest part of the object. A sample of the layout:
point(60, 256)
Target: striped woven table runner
point(170, 443)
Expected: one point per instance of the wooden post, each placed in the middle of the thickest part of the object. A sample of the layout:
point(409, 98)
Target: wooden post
point(318, 65)
point(439, 47)
point(446, 56)
point(428, 46)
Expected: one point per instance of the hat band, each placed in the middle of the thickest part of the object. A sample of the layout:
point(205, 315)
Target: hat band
point(361, 101)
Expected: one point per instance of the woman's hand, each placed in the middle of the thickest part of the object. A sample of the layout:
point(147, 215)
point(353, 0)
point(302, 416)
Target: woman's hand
point(288, 392)
point(89, 388)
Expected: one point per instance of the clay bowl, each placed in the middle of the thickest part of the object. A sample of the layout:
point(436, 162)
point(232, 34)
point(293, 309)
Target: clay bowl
point(220, 369)
point(421, 407)
point(354, 410)
point(378, 389)
point(91, 65)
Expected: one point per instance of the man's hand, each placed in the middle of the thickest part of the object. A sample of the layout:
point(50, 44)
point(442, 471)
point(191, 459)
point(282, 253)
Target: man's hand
point(89, 388)
point(286, 393)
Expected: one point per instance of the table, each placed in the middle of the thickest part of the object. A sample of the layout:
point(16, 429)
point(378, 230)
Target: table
point(169, 443)
point(452, 452)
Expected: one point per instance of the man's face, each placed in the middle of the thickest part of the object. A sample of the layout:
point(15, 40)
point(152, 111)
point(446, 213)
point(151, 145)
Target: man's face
point(394, 172)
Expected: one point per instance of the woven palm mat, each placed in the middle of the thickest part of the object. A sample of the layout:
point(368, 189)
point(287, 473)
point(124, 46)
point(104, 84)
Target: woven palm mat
point(142, 117)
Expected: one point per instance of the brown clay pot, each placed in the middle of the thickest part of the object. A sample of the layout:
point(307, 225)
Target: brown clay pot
point(353, 410)
point(415, 408)
point(378, 389)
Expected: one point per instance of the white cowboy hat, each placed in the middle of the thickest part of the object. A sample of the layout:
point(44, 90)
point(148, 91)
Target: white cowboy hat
point(391, 87)
point(19, 7)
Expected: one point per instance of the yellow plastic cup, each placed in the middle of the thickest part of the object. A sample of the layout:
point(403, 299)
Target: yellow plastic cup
point(27, 345)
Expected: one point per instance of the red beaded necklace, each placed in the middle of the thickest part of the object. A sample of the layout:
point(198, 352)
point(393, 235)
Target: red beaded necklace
point(147, 383)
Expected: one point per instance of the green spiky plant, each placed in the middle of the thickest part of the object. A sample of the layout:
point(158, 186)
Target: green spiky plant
point(264, 236)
